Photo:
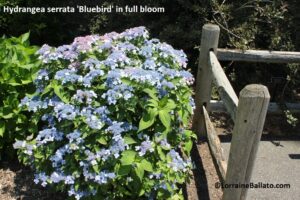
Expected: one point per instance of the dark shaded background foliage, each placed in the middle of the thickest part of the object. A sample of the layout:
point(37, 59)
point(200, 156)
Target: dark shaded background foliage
point(255, 24)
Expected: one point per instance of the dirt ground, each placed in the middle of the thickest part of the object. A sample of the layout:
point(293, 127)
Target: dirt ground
point(205, 176)
point(16, 183)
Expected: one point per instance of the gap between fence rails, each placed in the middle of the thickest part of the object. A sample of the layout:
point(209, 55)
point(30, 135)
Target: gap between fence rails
point(224, 87)
point(218, 106)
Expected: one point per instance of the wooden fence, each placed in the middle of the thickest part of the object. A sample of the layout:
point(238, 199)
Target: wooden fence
point(248, 111)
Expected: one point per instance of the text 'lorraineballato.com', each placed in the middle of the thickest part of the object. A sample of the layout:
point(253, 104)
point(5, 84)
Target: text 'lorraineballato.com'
point(258, 185)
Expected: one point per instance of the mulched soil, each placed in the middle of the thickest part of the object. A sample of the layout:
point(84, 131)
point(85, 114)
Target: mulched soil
point(16, 183)
point(205, 176)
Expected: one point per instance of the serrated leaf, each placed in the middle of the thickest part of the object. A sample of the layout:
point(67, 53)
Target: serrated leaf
point(59, 92)
point(153, 103)
point(128, 157)
point(25, 37)
point(102, 140)
point(163, 102)
point(161, 154)
point(152, 93)
point(129, 140)
point(124, 170)
point(165, 118)
point(147, 119)
point(96, 168)
point(139, 170)
point(170, 105)
point(38, 155)
point(146, 165)
point(142, 192)
point(188, 146)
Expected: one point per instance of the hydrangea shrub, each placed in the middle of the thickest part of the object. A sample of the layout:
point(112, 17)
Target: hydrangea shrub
point(114, 112)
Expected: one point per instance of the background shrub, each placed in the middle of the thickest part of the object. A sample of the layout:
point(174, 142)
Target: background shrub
point(114, 112)
point(18, 65)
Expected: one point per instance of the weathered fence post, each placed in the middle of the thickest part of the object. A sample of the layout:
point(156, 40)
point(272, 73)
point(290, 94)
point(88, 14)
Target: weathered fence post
point(250, 118)
point(209, 41)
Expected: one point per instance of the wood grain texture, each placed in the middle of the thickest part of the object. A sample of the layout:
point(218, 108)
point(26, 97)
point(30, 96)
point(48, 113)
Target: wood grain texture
point(215, 145)
point(259, 56)
point(250, 118)
point(209, 41)
point(224, 87)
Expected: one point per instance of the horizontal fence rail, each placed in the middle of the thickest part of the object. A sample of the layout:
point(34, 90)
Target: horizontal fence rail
point(258, 56)
point(224, 87)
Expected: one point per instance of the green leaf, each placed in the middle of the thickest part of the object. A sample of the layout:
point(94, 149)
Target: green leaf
point(24, 37)
point(2, 128)
point(6, 112)
point(146, 165)
point(58, 90)
point(188, 146)
point(163, 102)
point(38, 155)
point(153, 103)
point(96, 168)
point(165, 118)
point(128, 157)
point(77, 185)
point(161, 154)
point(170, 105)
point(139, 170)
point(142, 192)
point(148, 119)
point(102, 140)
point(124, 170)
point(129, 140)
point(152, 93)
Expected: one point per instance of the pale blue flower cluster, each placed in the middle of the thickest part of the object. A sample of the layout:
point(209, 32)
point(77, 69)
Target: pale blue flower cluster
point(68, 76)
point(145, 146)
point(65, 111)
point(85, 96)
point(67, 52)
point(134, 33)
point(121, 91)
point(27, 148)
point(178, 164)
point(48, 135)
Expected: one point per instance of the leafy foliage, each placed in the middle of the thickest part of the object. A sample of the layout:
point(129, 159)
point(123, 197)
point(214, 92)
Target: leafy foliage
point(18, 65)
point(115, 110)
